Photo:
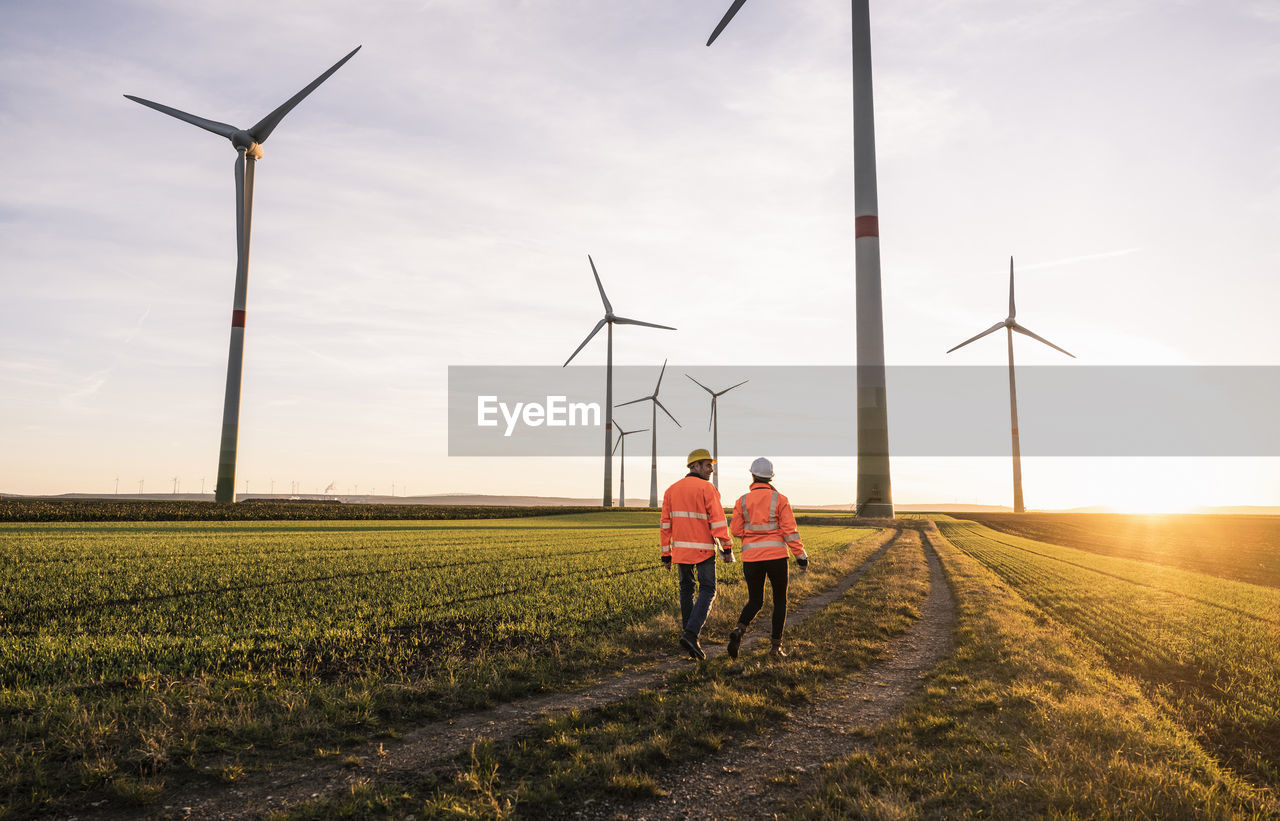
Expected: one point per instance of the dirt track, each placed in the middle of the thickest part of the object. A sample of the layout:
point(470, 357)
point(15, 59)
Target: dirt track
point(742, 782)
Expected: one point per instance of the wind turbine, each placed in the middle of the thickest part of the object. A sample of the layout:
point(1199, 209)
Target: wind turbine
point(1010, 325)
point(657, 403)
point(714, 426)
point(622, 465)
point(248, 144)
point(875, 493)
point(610, 319)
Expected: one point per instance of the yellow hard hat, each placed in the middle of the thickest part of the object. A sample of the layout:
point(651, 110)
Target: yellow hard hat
point(698, 455)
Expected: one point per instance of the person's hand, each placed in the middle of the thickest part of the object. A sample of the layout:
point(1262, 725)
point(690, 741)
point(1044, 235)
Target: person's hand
point(803, 565)
point(666, 562)
point(727, 555)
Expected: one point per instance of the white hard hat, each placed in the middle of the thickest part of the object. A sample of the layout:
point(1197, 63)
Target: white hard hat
point(763, 468)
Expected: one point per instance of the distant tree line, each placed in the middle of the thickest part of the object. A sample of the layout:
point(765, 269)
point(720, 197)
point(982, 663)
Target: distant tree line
point(136, 510)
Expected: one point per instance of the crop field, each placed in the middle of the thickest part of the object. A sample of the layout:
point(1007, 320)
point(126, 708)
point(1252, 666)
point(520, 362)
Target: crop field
point(1023, 719)
point(1206, 648)
point(1245, 548)
point(135, 654)
point(145, 662)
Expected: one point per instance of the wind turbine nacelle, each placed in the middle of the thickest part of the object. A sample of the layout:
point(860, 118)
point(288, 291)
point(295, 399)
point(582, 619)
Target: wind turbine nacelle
point(243, 139)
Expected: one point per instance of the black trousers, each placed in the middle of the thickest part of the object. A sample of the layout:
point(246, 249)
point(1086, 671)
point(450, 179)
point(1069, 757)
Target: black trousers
point(754, 574)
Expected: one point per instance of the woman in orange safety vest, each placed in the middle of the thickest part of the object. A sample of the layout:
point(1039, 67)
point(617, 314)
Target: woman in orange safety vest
point(762, 518)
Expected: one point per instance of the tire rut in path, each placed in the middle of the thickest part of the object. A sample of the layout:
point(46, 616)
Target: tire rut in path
point(430, 745)
point(739, 783)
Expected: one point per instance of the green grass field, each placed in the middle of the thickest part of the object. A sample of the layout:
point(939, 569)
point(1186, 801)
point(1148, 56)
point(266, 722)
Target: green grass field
point(1206, 648)
point(1028, 719)
point(132, 654)
point(1244, 548)
point(1119, 680)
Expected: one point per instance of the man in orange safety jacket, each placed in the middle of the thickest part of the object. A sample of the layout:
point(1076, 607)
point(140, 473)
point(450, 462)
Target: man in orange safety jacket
point(762, 518)
point(693, 526)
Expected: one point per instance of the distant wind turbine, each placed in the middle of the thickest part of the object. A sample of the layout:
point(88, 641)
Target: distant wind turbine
point(1010, 325)
point(714, 426)
point(609, 319)
point(248, 145)
point(875, 492)
point(657, 403)
point(622, 465)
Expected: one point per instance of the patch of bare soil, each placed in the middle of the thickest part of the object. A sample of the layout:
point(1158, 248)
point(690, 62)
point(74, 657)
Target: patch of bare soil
point(423, 748)
point(766, 776)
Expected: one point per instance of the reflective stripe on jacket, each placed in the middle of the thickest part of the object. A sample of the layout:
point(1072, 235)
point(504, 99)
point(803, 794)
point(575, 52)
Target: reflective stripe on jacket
point(762, 518)
point(692, 519)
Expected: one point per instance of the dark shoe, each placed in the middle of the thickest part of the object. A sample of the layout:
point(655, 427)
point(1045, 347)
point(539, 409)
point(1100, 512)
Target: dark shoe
point(695, 649)
point(775, 650)
point(735, 640)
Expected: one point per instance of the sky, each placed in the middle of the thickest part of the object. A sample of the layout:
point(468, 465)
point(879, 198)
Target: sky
point(434, 202)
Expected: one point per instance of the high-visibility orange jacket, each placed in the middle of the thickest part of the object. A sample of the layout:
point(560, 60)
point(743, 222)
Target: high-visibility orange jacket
point(762, 518)
point(692, 521)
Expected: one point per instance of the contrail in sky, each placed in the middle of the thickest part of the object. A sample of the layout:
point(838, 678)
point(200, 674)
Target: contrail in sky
point(1069, 260)
point(137, 326)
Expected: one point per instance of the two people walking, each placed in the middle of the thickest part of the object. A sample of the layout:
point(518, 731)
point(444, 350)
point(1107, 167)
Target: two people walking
point(693, 528)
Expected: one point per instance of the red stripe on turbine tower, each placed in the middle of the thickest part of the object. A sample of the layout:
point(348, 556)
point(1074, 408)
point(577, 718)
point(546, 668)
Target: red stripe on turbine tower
point(237, 319)
point(868, 226)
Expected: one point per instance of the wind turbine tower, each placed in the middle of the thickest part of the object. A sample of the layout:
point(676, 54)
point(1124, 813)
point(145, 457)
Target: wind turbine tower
point(875, 493)
point(714, 426)
point(1010, 325)
point(622, 465)
point(657, 403)
point(248, 145)
point(610, 319)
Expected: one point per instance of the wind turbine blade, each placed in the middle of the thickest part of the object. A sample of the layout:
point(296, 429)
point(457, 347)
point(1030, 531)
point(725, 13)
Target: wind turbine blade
point(704, 387)
point(221, 129)
point(1012, 310)
point(711, 420)
point(667, 412)
point(240, 237)
point(624, 321)
point(594, 331)
point(658, 386)
point(992, 329)
point(267, 124)
point(608, 309)
point(724, 21)
point(731, 387)
point(1038, 338)
point(633, 401)
point(616, 445)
